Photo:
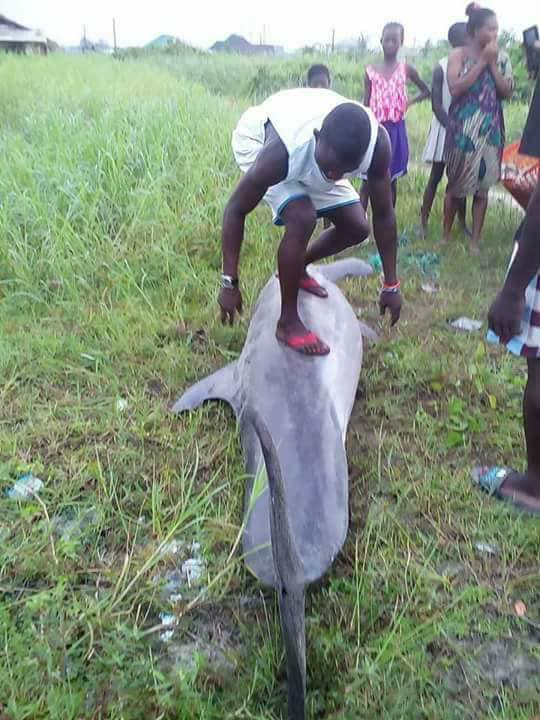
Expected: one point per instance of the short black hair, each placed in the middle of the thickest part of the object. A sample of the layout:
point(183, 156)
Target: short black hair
point(395, 26)
point(315, 70)
point(478, 17)
point(457, 33)
point(347, 130)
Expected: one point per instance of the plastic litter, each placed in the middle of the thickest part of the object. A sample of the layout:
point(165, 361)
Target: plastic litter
point(25, 487)
point(69, 527)
point(487, 548)
point(426, 263)
point(193, 570)
point(167, 621)
point(466, 324)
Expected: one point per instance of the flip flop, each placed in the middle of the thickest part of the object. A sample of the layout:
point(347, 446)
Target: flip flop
point(309, 284)
point(490, 479)
point(300, 342)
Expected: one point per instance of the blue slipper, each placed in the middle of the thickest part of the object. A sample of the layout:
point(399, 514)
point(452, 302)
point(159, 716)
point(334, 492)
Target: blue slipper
point(491, 479)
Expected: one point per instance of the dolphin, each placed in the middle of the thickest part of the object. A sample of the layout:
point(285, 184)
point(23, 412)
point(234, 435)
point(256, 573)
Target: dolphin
point(293, 411)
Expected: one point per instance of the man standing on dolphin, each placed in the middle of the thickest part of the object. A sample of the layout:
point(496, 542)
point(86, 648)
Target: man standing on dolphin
point(296, 150)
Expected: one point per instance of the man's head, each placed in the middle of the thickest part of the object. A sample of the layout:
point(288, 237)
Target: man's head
point(318, 77)
point(483, 25)
point(342, 140)
point(393, 37)
point(457, 34)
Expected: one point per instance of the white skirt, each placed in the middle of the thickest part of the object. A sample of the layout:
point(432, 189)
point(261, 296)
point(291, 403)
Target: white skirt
point(434, 150)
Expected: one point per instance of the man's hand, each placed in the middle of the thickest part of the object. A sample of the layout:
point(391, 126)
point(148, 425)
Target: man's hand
point(230, 301)
point(390, 301)
point(504, 316)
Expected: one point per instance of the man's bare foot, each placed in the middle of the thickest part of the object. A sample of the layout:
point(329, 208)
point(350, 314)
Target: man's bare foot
point(445, 240)
point(465, 230)
point(507, 485)
point(475, 248)
point(299, 338)
point(521, 488)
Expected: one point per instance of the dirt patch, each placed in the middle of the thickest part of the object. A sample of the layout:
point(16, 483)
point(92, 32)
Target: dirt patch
point(484, 668)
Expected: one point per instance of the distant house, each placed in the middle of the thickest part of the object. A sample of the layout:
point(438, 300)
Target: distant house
point(162, 41)
point(239, 45)
point(20, 39)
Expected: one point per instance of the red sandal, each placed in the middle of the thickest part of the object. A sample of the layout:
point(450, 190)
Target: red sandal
point(309, 284)
point(300, 342)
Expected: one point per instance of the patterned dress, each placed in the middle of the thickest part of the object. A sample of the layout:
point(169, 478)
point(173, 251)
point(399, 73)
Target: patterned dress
point(475, 134)
point(389, 105)
point(527, 342)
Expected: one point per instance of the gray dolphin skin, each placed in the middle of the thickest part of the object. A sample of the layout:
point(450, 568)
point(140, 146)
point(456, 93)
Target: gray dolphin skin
point(293, 412)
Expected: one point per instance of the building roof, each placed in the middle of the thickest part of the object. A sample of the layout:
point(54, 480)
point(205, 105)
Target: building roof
point(13, 32)
point(239, 44)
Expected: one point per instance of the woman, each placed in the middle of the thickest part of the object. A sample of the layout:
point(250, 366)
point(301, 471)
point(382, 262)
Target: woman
point(479, 77)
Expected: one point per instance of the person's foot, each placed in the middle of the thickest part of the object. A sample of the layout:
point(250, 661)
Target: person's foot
point(465, 230)
point(475, 248)
point(445, 240)
point(300, 339)
point(510, 486)
point(310, 285)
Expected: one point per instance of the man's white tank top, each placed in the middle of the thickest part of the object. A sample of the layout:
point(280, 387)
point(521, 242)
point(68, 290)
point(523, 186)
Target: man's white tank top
point(295, 114)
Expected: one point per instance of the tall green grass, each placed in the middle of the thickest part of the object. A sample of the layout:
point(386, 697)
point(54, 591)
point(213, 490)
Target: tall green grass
point(113, 181)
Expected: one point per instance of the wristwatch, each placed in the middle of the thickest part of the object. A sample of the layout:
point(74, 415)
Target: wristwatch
point(228, 282)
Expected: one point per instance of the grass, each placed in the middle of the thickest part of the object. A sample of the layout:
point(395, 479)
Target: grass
point(111, 193)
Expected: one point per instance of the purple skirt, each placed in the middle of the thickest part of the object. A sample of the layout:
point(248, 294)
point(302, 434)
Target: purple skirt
point(400, 148)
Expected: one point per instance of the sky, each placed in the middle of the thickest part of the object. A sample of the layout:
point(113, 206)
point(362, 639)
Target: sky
point(290, 23)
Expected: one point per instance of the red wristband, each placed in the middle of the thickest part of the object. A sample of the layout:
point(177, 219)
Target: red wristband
point(395, 286)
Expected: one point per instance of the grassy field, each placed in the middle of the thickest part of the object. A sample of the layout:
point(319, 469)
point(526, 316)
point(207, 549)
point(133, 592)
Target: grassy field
point(112, 186)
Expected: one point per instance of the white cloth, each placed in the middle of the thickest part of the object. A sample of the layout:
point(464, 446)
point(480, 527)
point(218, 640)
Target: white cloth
point(295, 114)
point(434, 150)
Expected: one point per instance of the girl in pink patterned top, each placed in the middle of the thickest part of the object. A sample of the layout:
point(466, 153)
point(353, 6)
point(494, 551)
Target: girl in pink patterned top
point(385, 92)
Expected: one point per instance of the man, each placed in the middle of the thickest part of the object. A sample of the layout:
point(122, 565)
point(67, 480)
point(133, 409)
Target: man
point(318, 76)
point(296, 149)
point(514, 319)
point(441, 100)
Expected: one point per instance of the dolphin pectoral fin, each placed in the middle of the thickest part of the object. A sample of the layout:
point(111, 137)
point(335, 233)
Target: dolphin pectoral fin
point(368, 332)
point(221, 385)
point(348, 267)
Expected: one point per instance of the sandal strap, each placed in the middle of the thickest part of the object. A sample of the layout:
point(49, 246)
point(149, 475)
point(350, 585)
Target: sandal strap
point(491, 478)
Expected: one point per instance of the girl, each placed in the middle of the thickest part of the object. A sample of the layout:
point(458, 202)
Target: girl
point(434, 150)
point(385, 92)
point(479, 78)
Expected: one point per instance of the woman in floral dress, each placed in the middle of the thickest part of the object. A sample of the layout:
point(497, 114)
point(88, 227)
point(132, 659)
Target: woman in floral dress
point(479, 77)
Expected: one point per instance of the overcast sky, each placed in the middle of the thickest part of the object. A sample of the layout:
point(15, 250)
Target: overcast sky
point(291, 23)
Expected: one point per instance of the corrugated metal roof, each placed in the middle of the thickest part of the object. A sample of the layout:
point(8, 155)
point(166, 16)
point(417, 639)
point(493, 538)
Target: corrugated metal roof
point(14, 35)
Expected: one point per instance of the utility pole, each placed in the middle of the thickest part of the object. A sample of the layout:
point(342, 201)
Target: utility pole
point(114, 34)
point(333, 39)
point(84, 38)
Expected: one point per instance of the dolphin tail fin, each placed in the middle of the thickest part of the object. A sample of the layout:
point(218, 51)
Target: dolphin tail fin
point(292, 610)
point(347, 267)
point(221, 385)
point(289, 574)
